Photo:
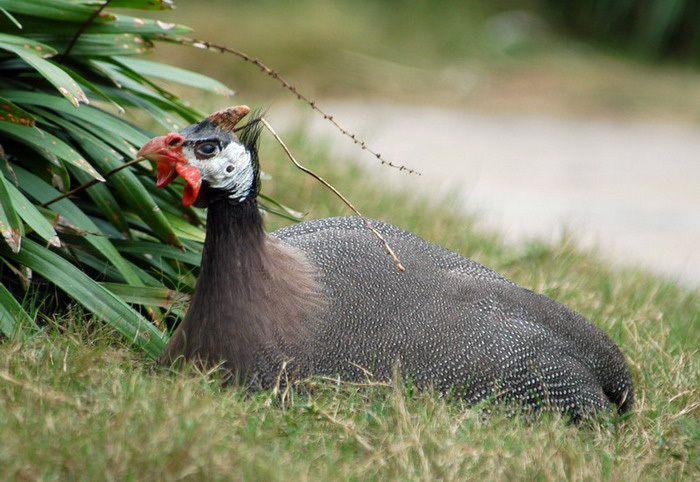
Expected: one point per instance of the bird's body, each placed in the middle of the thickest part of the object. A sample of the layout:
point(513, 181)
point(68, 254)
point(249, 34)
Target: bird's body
point(450, 322)
point(322, 298)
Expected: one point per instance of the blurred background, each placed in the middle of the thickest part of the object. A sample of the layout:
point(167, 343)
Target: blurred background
point(546, 118)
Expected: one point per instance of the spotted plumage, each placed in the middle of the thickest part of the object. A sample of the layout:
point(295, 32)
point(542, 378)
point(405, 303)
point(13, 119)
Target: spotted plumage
point(322, 298)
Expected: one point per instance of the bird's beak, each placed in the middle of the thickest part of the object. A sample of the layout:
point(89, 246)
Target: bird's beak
point(167, 152)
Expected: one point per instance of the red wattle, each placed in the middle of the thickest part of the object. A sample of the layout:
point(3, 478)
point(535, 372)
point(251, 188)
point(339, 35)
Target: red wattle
point(193, 180)
point(189, 196)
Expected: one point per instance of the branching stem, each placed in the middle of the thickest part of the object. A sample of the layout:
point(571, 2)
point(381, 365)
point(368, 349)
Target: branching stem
point(222, 48)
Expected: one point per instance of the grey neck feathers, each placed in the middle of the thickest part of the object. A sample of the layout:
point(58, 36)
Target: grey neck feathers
point(253, 296)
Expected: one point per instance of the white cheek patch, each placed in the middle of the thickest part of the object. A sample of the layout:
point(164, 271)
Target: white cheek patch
point(239, 181)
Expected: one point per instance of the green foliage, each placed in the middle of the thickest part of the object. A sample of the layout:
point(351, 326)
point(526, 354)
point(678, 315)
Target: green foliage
point(652, 28)
point(69, 80)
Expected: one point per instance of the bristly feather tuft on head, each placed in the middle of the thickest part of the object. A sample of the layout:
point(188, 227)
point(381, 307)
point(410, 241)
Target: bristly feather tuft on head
point(249, 135)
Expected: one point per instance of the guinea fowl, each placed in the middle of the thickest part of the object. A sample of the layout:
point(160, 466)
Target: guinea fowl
point(322, 298)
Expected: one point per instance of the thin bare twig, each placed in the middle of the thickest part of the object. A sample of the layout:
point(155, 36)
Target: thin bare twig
point(92, 182)
point(222, 48)
point(82, 28)
point(367, 222)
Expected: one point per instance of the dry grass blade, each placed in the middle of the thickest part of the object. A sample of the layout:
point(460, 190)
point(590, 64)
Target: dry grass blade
point(222, 48)
point(367, 222)
point(349, 429)
point(337, 382)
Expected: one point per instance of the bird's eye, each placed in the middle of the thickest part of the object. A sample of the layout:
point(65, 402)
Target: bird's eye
point(229, 168)
point(205, 150)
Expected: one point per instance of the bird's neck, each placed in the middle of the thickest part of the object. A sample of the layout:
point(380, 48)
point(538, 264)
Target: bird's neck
point(234, 246)
point(253, 295)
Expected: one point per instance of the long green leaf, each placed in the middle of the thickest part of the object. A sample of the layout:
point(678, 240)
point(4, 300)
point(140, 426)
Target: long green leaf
point(13, 319)
point(176, 74)
point(290, 213)
point(52, 9)
point(92, 87)
point(27, 45)
point(110, 273)
point(162, 297)
point(97, 43)
point(162, 267)
point(159, 115)
point(9, 112)
point(143, 4)
point(127, 79)
point(12, 236)
point(103, 121)
point(30, 214)
point(184, 229)
point(113, 24)
point(105, 270)
point(41, 191)
point(96, 299)
point(118, 23)
point(11, 227)
point(68, 10)
point(157, 249)
point(49, 146)
point(11, 18)
point(105, 201)
point(34, 56)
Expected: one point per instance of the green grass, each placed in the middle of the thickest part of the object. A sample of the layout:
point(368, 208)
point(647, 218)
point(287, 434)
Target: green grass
point(78, 404)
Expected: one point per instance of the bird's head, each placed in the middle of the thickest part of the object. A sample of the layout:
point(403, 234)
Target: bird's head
point(212, 160)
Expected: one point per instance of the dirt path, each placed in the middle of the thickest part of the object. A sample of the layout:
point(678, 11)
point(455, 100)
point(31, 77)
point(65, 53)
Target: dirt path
point(631, 189)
